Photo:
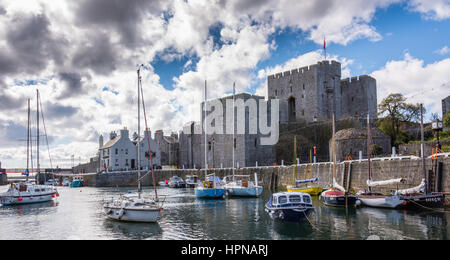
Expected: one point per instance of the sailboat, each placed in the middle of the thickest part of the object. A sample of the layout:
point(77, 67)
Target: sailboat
point(212, 186)
point(420, 197)
point(241, 185)
point(27, 192)
point(305, 186)
point(378, 200)
point(337, 196)
point(132, 208)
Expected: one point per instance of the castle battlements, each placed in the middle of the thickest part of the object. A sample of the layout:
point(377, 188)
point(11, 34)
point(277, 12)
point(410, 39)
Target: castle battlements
point(307, 69)
point(357, 79)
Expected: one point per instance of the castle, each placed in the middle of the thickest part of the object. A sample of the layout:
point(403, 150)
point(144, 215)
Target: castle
point(305, 95)
point(314, 93)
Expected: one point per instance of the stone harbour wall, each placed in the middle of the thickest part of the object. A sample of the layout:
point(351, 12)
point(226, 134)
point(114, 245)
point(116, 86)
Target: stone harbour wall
point(279, 177)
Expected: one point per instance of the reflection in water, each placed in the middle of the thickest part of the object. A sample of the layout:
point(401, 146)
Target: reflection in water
point(78, 214)
point(123, 230)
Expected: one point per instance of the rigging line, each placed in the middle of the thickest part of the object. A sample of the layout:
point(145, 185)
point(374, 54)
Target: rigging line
point(45, 132)
point(148, 140)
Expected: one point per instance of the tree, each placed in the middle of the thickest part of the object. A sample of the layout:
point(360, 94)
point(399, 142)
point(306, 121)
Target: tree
point(446, 120)
point(397, 111)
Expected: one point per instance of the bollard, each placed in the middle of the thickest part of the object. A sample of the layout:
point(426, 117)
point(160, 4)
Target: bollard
point(298, 161)
point(394, 152)
point(282, 162)
point(360, 155)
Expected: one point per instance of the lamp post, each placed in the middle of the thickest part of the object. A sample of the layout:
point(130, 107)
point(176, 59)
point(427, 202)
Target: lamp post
point(437, 127)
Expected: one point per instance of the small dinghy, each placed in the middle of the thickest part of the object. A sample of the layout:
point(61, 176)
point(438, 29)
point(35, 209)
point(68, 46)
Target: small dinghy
point(306, 187)
point(290, 206)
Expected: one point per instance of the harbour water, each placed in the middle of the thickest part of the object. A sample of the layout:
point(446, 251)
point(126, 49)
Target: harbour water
point(77, 214)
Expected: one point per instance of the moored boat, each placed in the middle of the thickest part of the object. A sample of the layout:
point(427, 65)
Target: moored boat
point(27, 193)
point(77, 182)
point(211, 188)
point(177, 182)
point(305, 187)
point(242, 186)
point(338, 198)
point(131, 209)
point(290, 206)
point(191, 181)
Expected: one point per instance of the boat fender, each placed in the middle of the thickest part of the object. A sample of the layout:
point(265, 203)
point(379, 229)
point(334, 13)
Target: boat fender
point(121, 213)
point(281, 215)
point(358, 203)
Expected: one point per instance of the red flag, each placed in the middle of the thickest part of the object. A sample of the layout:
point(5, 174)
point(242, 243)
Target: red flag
point(324, 44)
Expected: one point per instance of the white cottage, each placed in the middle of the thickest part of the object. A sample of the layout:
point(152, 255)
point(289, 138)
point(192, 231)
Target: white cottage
point(120, 153)
point(156, 151)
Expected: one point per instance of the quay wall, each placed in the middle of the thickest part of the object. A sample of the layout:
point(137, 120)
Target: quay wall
point(279, 177)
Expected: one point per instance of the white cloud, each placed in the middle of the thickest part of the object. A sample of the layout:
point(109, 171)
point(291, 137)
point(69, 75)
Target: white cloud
point(103, 52)
point(419, 82)
point(443, 51)
point(431, 9)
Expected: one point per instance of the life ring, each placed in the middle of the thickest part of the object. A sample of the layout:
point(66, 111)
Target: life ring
point(207, 184)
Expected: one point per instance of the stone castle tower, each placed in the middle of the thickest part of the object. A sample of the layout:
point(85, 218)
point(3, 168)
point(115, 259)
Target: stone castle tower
point(317, 91)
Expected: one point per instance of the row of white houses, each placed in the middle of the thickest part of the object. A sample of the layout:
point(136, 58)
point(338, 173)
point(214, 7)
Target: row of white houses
point(120, 152)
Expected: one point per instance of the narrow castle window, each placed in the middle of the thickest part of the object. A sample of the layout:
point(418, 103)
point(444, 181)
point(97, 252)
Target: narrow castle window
point(276, 92)
point(303, 86)
point(256, 142)
point(209, 146)
point(234, 143)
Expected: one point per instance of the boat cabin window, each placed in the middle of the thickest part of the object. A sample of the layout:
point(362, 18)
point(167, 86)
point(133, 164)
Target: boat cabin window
point(295, 198)
point(307, 199)
point(282, 200)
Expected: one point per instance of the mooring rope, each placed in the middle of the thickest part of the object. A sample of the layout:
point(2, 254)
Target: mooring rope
point(436, 210)
point(312, 225)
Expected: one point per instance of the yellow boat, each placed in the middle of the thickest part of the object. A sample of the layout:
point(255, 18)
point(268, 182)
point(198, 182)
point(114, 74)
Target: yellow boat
point(314, 191)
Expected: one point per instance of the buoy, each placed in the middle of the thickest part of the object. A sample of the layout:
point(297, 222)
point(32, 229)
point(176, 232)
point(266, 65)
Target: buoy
point(404, 203)
point(57, 194)
point(81, 191)
point(20, 199)
point(53, 195)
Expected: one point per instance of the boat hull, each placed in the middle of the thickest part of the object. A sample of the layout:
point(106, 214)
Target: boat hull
point(423, 202)
point(390, 202)
point(76, 184)
point(177, 185)
point(290, 215)
point(14, 200)
point(211, 193)
point(244, 192)
point(338, 200)
point(133, 215)
point(314, 191)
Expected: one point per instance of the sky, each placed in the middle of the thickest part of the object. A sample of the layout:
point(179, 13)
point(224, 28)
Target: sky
point(83, 56)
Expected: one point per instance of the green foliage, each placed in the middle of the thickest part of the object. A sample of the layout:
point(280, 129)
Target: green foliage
point(397, 112)
point(376, 149)
point(446, 120)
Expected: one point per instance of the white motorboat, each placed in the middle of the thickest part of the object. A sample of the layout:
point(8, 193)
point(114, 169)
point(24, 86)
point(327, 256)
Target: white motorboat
point(66, 182)
point(177, 182)
point(27, 193)
point(133, 209)
point(52, 182)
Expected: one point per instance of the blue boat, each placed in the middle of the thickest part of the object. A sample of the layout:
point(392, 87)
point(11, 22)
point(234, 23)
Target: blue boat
point(211, 188)
point(290, 206)
point(77, 182)
point(242, 186)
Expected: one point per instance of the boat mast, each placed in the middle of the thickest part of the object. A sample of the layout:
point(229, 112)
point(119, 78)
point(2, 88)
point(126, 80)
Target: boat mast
point(369, 137)
point(234, 98)
point(148, 141)
point(139, 132)
point(204, 129)
point(334, 150)
point(422, 144)
point(28, 141)
point(37, 135)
